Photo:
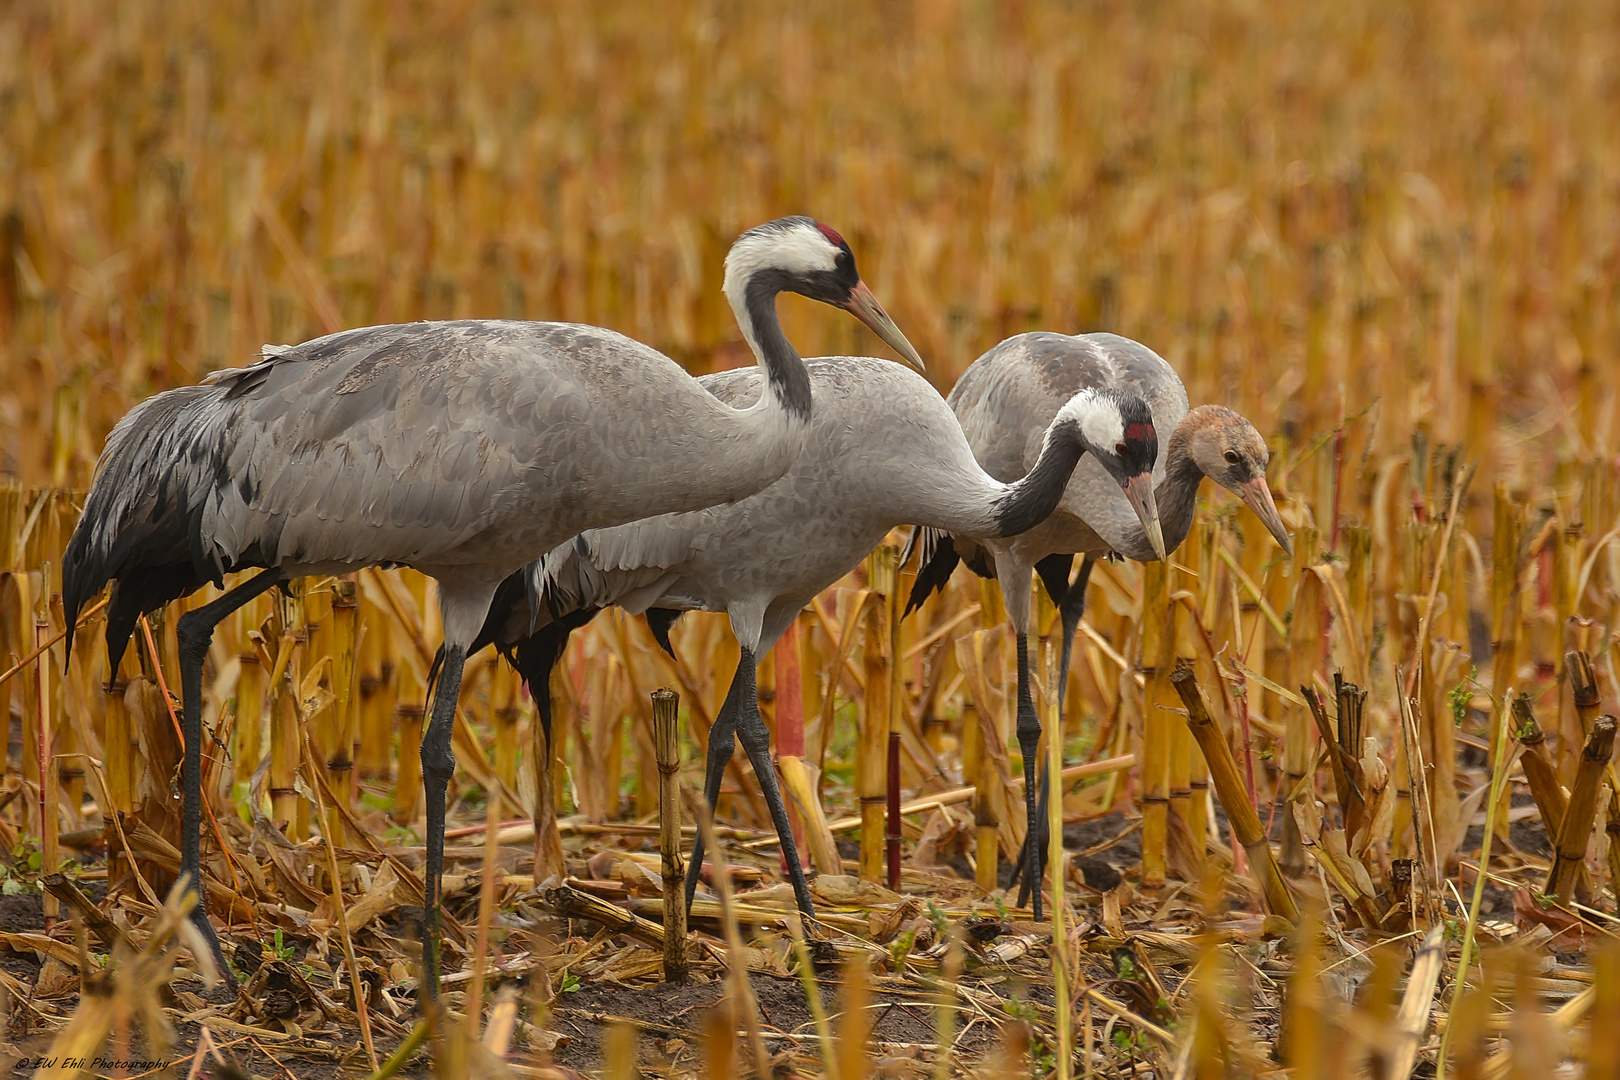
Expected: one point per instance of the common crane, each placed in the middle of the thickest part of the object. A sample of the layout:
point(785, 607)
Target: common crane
point(1004, 400)
point(883, 450)
point(463, 449)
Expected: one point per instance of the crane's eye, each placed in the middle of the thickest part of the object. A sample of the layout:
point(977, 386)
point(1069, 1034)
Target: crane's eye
point(1120, 449)
point(1232, 457)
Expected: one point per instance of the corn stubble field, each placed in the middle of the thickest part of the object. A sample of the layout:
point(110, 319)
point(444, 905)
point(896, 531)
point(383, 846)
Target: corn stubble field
point(1391, 238)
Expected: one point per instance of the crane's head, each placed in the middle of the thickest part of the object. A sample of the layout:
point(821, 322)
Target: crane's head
point(1228, 449)
point(1116, 428)
point(801, 255)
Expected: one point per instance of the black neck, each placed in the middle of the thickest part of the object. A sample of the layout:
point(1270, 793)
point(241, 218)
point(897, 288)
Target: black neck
point(1177, 493)
point(785, 373)
point(1031, 500)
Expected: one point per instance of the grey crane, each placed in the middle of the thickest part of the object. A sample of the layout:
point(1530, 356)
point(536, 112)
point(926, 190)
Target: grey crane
point(1004, 399)
point(462, 449)
point(884, 450)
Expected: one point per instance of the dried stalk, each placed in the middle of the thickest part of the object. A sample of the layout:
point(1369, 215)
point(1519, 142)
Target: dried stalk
point(1418, 785)
point(110, 933)
point(812, 997)
point(486, 911)
point(1587, 701)
point(742, 992)
point(376, 689)
point(982, 739)
point(1234, 798)
point(316, 673)
point(1342, 776)
point(1412, 1019)
point(572, 903)
point(854, 1028)
point(286, 807)
point(801, 788)
point(40, 647)
point(901, 727)
point(1158, 641)
point(986, 822)
point(1603, 1039)
point(1505, 555)
point(872, 740)
point(504, 685)
point(249, 741)
point(1189, 777)
point(544, 755)
point(1494, 802)
point(1538, 770)
point(409, 710)
point(1352, 699)
point(925, 803)
point(120, 761)
point(1304, 649)
point(357, 986)
point(1570, 853)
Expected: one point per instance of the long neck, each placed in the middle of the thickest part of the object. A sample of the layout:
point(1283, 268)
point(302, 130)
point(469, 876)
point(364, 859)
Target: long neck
point(744, 449)
point(1030, 501)
point(1177, 493)
point(787, 383)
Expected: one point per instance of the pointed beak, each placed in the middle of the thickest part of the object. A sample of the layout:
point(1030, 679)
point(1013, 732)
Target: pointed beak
point(1257, 493)
point(864, 306)
point(1139, 490)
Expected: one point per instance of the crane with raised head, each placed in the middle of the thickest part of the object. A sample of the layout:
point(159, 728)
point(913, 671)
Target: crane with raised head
point(1004, 400)
point(463, 449)
point(883, 450)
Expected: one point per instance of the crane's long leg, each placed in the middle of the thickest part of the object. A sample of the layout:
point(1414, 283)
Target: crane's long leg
point(1014, 575)
point(438, 765)
point(536, 655)
point(1029, 738)
point(194, 632)
point(1071, 608)
point(756, 741)
point(722, 741)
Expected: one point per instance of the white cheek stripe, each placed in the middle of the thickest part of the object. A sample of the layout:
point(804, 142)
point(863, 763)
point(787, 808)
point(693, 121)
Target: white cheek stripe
point(1103, 427)
point(799, 250)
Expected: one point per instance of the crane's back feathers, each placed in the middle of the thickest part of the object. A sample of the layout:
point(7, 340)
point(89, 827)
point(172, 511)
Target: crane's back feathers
point(1009, 396)
point(883, 450)
point(457, 447)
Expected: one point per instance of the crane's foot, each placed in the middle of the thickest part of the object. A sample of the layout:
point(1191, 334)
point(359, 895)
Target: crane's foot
point(199, 919)
point(824, 955)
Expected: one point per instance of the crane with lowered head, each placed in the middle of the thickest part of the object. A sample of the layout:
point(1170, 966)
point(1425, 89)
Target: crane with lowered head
point(1004, 399)
point(883, 450)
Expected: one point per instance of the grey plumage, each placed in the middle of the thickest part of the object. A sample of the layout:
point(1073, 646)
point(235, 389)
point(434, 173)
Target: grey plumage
point(1001, 399)
point(463, 449)
point(438, 445)
point(883, 450)
point(1004, 400)
point(1008, 394)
